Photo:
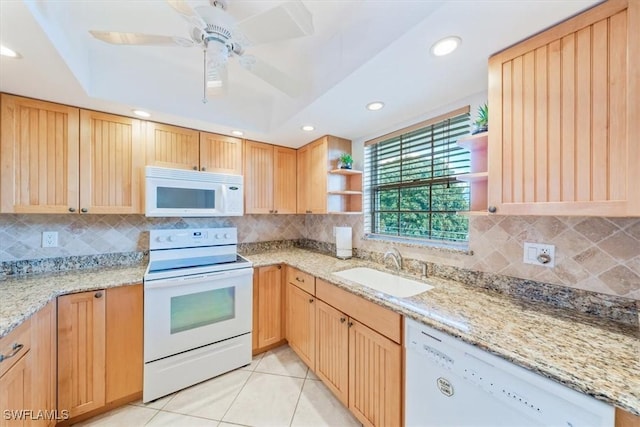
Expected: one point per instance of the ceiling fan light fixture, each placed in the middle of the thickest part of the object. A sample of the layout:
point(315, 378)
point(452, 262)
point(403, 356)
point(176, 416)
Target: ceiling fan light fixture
point(446, 45)
point(9, 53)
point(307, 128)
point(141, 113)
point(375, 106)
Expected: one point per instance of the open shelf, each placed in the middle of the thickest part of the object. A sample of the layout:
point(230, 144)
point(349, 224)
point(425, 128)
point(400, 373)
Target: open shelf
point(345, 172)
point(473, 177)
point(345, 213)
point(474, 142)
point(479, 175)
point(346, 192)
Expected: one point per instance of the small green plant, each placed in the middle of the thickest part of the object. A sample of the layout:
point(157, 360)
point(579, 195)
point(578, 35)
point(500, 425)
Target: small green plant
point(482, 122)
point(345, 160)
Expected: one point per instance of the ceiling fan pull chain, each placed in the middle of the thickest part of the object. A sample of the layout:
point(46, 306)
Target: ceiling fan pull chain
point(204, 77)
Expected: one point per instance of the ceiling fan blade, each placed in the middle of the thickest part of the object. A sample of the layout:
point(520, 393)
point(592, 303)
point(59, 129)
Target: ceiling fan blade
point(289, 20)
point(187, 12)
point(276, 78)
point(113, 37)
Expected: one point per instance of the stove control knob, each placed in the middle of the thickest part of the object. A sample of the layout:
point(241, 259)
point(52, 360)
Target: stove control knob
point(169, 238)
point(217, 236)
point(226, 235)
point(160, 239)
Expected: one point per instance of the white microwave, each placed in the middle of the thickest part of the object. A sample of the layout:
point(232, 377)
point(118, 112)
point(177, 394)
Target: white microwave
point(179, 192)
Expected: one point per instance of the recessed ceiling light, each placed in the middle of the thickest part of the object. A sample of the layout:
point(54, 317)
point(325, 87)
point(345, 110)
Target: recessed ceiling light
point(446, 46)
point(375, 106)
point(5, 51)
point(307, 128)
point(141, 113)
point(237, 132)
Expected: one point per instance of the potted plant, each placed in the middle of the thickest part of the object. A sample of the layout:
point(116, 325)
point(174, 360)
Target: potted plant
point(346, 161)
point(482, 122)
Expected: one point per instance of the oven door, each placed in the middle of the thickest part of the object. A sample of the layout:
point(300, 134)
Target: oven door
point(187, 312)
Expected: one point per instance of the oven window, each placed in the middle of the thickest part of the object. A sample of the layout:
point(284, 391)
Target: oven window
point(202, 308)
point(185, 198)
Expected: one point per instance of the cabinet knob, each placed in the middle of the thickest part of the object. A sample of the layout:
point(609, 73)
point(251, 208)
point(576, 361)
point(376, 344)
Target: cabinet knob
point(72, 209)
point(279, 267)
point(350, 324)
point(309, 212)
point(195, 168)
point(271, 211)
point(492, 209)
point(98, 294)
point(343, 319)
point(299, 279)
point(84, 210)
point(310, 300)
point(276, 211)
point(203, 169)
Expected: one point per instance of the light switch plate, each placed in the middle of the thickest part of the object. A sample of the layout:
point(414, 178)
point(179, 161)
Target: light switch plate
point(49, 239)
point(533, 251)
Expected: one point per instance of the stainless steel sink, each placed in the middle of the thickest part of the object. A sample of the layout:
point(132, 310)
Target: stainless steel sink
point(391, 284)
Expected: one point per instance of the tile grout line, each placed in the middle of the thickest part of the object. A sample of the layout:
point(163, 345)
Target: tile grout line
point(237, 394)
point(304, 381)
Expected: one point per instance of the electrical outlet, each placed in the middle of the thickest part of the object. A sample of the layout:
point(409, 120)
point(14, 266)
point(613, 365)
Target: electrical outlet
point(49, 239)
point(539, 254)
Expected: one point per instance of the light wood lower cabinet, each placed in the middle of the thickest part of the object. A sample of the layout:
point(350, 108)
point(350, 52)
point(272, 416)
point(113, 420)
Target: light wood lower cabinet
point(268, 307)
point(81, 352)
point(16, 375)
point(301, 324)
point(44, 364)
point(626, 419)
point(99, 349)
point(332, 355)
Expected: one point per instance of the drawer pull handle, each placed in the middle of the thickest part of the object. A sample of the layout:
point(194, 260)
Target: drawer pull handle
point(14, 350)
point(98, 295)
point(299, 279)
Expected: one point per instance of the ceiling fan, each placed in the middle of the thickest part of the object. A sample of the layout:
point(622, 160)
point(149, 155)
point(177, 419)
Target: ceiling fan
point(221, 37)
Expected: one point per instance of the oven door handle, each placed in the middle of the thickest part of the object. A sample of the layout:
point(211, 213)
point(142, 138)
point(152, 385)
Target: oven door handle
point(185, 280)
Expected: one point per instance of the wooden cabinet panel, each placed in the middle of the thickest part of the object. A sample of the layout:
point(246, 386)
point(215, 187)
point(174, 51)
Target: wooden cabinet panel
point(270, 305)
point(39, 156)
point(111, 164)
point(220, 153)
point(318, 176)
point(15, 394)
point(284, 180)
point(303, 167)
point(17, 343)
point(44, 362)
point(626, 419)
point(258, 178)
point(303, 280)
point(563, 117)
point(332, 349)
point(124, 318)
point(301, 324)
point(81, 352)
point(171, 146)
point(375, 377)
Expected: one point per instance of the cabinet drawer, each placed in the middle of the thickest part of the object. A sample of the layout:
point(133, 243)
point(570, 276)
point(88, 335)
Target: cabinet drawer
point(380, 319)
point(14, 346)
point(303, 280)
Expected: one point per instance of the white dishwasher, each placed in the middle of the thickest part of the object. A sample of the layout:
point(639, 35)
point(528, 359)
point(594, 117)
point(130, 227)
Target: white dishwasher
point(452, 383)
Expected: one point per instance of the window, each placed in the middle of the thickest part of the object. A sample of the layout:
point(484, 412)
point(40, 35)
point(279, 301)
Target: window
point(411, 189)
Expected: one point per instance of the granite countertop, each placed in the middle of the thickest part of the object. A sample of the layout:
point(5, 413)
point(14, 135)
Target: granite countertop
point(588, 354)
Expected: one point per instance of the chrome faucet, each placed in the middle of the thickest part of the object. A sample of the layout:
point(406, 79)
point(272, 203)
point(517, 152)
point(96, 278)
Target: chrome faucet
point(394, 253)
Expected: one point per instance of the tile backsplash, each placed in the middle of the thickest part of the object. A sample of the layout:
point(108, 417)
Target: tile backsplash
point(21, 235)
point(592, 253)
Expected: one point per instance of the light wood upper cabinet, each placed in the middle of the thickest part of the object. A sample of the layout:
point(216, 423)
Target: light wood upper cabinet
point(270, 178)
point(81, 352)
point(124, 320)
point(564, 117)
point(315, 160)
point(111, 164)
point(220, 153)
point(172, 146)
point(39, 150)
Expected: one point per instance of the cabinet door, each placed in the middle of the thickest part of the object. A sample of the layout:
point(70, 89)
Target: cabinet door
point(258, 178)
point(81, 352)
point(39, 156)
point(318, 176)
point(564, 108)
point(284, 180)
point(301, 324)
point(14, 392)
point(332, 349)
point(123, 331)
point(304, 180)
point(44, 362)
point(375, 377)
point(171, 146)
point(220, 153)
point(270, 305)
point(111, 164)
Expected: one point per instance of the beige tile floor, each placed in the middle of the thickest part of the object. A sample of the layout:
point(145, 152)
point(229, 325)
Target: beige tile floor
point(275, 390)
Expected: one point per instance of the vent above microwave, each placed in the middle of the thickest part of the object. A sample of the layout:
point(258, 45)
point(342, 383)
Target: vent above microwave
point(187, 175)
